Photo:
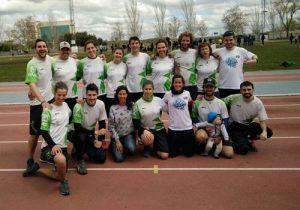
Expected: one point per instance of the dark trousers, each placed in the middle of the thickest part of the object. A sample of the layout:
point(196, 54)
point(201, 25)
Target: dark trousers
point(84, 143)
point(241, 134)
point(193, 91)
point(181, 140)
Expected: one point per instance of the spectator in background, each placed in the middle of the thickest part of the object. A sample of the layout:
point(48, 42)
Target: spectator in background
point(291, 38)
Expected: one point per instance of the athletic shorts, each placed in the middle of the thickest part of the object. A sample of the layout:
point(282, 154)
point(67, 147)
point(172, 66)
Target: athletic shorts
point(47, 157)
point(160, 142)
point(35, 118)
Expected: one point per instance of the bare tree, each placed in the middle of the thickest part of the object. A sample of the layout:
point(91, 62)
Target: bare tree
point(202, 28)
point(286, 10)
point(188, 9)
point(160, 15)
point(117, 34)
point(173, 28)
point(133, 19)
point(235, 20)
point(255, 22)
point(24, 31)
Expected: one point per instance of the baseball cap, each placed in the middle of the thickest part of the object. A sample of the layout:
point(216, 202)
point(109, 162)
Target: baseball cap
point(209, 81)
point(64, 44)
point(211, 116)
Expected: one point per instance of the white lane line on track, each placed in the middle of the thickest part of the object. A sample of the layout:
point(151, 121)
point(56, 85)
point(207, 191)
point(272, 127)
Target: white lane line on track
point(13, 113)
point(170, 169)
point(108, 140)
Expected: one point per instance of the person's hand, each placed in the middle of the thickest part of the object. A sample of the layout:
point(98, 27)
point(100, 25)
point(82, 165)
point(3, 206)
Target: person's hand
point(55, 150)
point(73, 55)
point(217, 56)
point(102, 56)
point(30, 95)
point(80, 101)
point(119, 146)
point(263, 135)
point(100, 132)
point(199, 97)
point(208, 129)
point(217, 140)
point(97, 144)
point(45, 104)
point(195, 128)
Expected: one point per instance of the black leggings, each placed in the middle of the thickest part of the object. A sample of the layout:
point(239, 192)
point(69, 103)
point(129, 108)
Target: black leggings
point(181, 140)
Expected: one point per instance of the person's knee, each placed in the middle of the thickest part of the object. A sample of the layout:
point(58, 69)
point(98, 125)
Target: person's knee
point(119, 158)
point(99, 157)
point(201, 136)
point(227, 151)
point(60, 160)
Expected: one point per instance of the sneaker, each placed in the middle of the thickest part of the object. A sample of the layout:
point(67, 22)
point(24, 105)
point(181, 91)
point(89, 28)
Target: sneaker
point(216, 156)
point(81, 167)
point(64, 188)
point(146, 151)
point(204, 153)
point(31, 170)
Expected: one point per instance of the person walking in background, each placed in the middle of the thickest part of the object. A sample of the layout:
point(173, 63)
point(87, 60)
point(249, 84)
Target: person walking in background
point(263, 37)
point(291, 38)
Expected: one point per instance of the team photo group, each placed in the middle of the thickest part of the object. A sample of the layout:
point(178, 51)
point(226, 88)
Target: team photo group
point(182, 102)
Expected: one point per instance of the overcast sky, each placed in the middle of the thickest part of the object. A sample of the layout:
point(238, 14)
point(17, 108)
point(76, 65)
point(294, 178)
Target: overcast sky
point(98, 16)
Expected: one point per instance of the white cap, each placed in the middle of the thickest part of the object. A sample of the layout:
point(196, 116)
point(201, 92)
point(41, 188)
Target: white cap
point(64, 44)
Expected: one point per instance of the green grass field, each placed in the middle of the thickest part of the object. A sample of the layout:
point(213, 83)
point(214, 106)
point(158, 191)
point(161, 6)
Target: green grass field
point(271, 55)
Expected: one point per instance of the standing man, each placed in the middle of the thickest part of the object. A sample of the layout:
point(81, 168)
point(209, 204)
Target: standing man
point(136, 62)
point(185, 59)
point(39, 79)
point(244, 108)
point(64, 69)
point(232, 60)
point(201, 108)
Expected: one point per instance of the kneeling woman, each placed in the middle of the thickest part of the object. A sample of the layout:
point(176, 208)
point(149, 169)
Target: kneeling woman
point(120, 125)
point(54, 127)
point(180, 131)
point(147, 120)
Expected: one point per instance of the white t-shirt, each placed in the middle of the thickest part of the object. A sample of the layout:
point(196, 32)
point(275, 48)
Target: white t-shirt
point(92, 71)
point(245, 112)
point(56, 121)
point(203, 107)
point(115, 76)
point(185, 65)
point(231, 66)
point(161, 70)
point(136, 71)
point(40, 73)
point(65, 70)
point(179, 116)
point(206, 69)
point(149, 112)
point(88, 116)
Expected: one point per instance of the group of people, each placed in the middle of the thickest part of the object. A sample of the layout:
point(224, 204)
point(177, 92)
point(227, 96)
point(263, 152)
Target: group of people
point(126, 97)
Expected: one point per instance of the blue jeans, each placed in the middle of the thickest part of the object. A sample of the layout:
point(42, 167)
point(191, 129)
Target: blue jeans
point(128, 143)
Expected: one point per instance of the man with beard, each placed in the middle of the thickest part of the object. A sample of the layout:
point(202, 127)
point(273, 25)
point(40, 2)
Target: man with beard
point(39, 79)
point(232, 60)
point(86, 137)
point(201, 108)
point(243, 109)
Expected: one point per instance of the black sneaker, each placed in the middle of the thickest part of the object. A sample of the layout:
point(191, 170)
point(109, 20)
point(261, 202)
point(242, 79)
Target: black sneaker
point(31, 170)
point(64, 188)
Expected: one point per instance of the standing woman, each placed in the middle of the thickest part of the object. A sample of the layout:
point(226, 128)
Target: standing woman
point(161, 69)
point(114, 73)
point(180, 131)
point(54, 129)
point(206, 66)
point(147, 120)
point(120, 125)
point(91, 70)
